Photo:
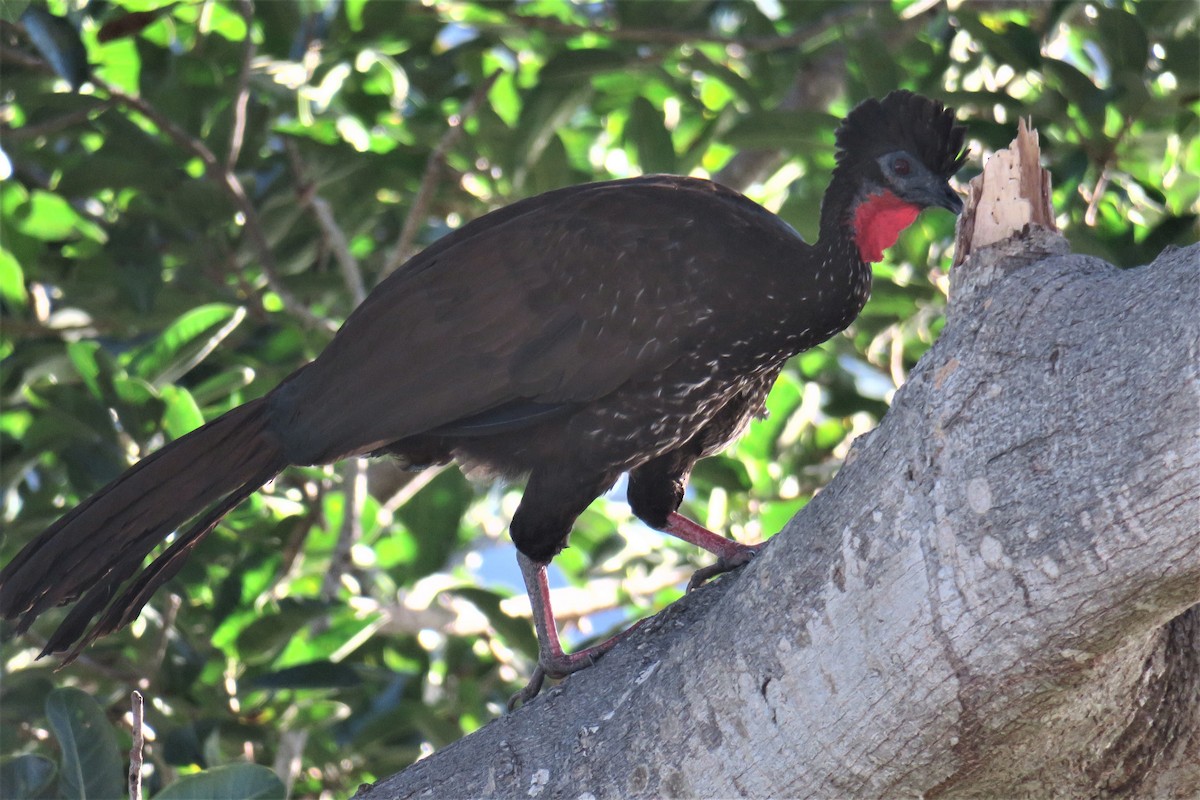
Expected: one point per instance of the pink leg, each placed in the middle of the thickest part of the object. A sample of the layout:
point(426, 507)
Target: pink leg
point(552, 660)
point(730, 554)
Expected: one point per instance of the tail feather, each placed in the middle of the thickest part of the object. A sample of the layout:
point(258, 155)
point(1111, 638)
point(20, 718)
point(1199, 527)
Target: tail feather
point(96, 548)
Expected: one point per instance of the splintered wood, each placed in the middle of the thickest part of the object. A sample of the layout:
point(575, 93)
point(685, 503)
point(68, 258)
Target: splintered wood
point(1012, 192)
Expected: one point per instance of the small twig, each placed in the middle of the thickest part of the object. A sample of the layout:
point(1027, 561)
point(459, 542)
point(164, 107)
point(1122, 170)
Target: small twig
point(1089, 216)
point(242, 97)
point(341, 248)
point(666, 36)
point(55, 124)
point(229, 182)
point(412, 223)
point(173, 604)
point(354, 489)
point(139, 742)
point(11, 55)
point(1106, 164)
point(289, 757)
point(410, 489)
point(334, 235)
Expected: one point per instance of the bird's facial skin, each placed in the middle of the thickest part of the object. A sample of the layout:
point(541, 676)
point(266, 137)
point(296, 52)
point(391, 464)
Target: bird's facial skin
point(906, 186)
point(911, 180)
point(878, 219)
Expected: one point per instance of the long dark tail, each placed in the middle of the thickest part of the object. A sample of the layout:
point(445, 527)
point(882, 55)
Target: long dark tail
point(91, 552)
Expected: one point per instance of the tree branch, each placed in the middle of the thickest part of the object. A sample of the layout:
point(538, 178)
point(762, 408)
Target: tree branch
point(242, 97)
point(433, 167)
point(991, 598)
point(334, 236)
point(232, 186)
point(663, 36)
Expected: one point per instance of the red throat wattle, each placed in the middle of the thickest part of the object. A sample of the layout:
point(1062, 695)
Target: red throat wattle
point(878, 221)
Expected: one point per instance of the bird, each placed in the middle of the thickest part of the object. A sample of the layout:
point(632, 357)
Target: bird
point(629, 326)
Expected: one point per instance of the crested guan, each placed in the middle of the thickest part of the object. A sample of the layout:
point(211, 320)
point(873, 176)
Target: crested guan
point(626, 326)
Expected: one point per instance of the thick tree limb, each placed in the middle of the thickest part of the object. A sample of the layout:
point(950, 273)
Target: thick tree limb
point(991, 598)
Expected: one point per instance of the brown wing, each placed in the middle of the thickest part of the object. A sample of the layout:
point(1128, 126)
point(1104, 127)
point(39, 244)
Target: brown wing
point(558, 299)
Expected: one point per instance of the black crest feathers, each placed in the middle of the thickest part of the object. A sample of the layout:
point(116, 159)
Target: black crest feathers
point(904, 121)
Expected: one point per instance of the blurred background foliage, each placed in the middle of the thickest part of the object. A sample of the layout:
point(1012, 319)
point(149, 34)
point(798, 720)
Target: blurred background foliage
point(195, 194)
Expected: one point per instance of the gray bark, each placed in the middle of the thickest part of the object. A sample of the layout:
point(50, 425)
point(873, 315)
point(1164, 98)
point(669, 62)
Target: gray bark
point(996, 596)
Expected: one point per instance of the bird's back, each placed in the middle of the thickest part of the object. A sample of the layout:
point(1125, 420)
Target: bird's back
point(624, 290)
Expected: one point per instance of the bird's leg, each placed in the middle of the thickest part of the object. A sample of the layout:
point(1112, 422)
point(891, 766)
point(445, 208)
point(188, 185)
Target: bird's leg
point(552, 660)
point(730, 554)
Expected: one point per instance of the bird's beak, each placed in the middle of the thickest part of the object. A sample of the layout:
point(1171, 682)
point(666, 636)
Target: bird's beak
point(950, 200)
point(938, 193)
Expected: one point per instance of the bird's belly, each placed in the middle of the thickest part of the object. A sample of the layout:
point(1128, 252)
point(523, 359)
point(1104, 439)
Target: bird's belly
point(618, 432)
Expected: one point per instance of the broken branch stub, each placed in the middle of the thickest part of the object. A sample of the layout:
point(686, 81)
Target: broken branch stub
point(1011, 193)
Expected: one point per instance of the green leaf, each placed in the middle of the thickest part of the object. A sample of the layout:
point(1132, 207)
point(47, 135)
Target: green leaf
point(874, 63)
point(85, 356)
point(572, 66)
point(11, 10)
point(434, 516)
point(313, 675)
point(182, 414)
point(552, 170)
point(50, 218)
point(549, 107)
point(1009, 41)
point(783, 130)
point(650, 138)
point(1077, 89)
point(262, 639)
point(723, 471)
point(1124, 39)
point(222, 385)
point(26, 777)
point(228, 782)
point(92, 766)
point(12, 281)
point(58, 42)
point(186, 342)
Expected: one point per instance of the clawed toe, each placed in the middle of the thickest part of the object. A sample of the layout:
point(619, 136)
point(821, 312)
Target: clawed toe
point(530, 691)
point(727, 564)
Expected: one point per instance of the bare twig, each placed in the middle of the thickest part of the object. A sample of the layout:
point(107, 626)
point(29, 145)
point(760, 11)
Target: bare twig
point(229, 182)
point(406, 492)
point(412, 223)
point(55, 124)
point(289, 757)
point(1089, 216)
point(354, 488)
point(173, 604)
point(11, 55)
point(329, 226)
point(139, 742)
point(664, 36)
point(242, 97)
point(341, 248)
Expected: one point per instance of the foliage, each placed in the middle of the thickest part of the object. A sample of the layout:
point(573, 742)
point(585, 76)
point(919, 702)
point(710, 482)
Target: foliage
point(186, 222)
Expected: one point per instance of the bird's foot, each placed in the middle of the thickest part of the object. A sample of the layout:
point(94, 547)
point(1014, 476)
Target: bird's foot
point(554, 663)
point(530, 690)
point(726, 563)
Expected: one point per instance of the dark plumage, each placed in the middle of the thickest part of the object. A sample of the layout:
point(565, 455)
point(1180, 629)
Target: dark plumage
point(628, 326)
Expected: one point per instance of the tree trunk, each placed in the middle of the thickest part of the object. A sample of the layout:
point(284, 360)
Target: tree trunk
point(996, 596)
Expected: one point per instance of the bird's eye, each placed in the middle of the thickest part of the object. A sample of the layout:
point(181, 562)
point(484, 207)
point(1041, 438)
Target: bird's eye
point(901, 166)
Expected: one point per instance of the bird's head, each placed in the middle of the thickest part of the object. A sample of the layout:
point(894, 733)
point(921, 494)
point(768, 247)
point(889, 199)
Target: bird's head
point(895, 157)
